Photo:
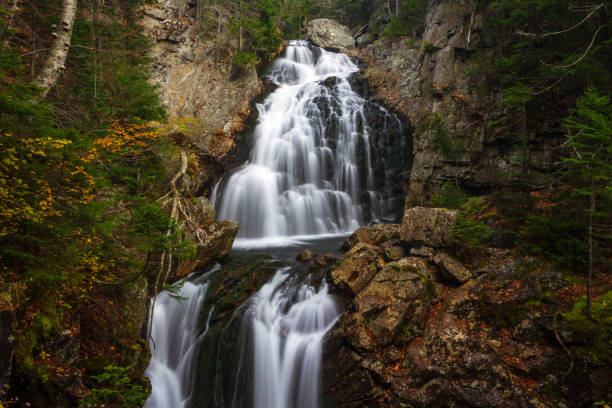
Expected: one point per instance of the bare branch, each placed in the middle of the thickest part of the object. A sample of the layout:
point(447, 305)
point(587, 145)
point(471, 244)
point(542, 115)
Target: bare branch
point(563, 31)
point(583, 55)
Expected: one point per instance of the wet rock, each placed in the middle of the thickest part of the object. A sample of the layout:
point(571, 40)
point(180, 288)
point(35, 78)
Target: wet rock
point(215, 241)
point(305, 256)
point(372, 235)
point(344, 383)
point(427, 226)
point(451, 269)
point(400, 289)
point(357, 267)
point(323, 261)
point(330, 34)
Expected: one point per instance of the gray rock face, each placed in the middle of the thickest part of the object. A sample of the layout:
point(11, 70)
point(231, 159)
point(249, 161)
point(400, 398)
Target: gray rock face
point(330, 34)
point(417, 82)
point(195, 73)
point(427, 226)
point(204, 209)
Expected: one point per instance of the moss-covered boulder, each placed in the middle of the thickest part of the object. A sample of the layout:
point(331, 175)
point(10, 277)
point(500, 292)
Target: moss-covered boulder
point(428, 226)
point(356, 268)
point(403, 288)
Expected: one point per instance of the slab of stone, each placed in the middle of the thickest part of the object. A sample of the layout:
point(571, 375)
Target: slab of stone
point(356, 268)
point(427, 226)
point(451, 269)
point(330, 34)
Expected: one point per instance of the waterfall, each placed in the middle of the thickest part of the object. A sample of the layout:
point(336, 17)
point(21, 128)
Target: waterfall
point(174, 341)
point(316, 168)
point(286, 323)
point(310, 169)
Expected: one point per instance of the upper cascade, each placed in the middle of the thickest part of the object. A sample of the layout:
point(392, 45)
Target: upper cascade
point(310, 170)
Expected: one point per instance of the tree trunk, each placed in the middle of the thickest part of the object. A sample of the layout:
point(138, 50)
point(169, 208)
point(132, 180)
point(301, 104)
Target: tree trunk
point(7, 26)
point(54, 65)
point(590, 241)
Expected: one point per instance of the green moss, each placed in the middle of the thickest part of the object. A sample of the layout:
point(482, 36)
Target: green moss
point(116, 388)
point(596, 332)
point(428, 47)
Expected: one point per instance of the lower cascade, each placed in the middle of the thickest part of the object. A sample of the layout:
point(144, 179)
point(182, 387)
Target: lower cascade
point(287, 325)
point(317, 168)
point(174, 335)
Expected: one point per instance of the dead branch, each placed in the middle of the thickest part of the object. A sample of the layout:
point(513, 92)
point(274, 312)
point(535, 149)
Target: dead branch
point(562, 31)
point(583, 55)
point(165, 254)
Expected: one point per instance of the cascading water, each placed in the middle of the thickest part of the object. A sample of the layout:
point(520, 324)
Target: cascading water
point(287, 326)
point(316, 168)
point(174, 341)
point(310, 170)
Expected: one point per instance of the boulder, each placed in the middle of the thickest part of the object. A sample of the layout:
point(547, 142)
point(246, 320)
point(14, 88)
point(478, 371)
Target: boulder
point(451, 269)
point(305, 256)
point(372, 235)
point(215, 241)
point(427, 226)
point(400, 289)
point(425, 252)
point(203, 209)
point(330, 34)
point(364, 40)
point(394, 251)
point(356, 268)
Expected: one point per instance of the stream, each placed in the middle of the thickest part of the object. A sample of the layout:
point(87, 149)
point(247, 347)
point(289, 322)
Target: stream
point(316, 173)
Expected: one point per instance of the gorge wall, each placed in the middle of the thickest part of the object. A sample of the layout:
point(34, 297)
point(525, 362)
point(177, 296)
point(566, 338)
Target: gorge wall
point(193, 65)
point(435, 73)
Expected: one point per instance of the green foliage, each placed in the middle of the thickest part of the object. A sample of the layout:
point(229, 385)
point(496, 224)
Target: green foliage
point(597, 331)
point(428, 47)
point(543, 47)
point(353, 12)
point(411, 14)
point(117, 389)
point(243, 59)
point(395, 28)
point(79, 176)
point(113, 85)
point(261, 33)
point(294, 14)
point(449, 197)
point(559, 228)
point(450, 146)
point(468, 230)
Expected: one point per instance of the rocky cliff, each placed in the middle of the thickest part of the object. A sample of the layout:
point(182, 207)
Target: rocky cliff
point(434, 72)
point(436, 326)
point(192, 64)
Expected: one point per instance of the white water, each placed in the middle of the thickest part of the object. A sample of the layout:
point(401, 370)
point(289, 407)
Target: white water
point(309, 175)
point(304, 176)
point(287, 326)
point(173, 345)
